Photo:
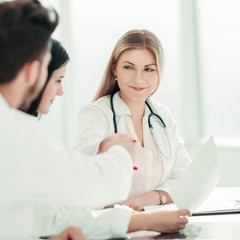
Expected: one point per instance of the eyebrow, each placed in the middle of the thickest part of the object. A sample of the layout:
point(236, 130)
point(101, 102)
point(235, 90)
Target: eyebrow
point(150, 65)
point(134, 64)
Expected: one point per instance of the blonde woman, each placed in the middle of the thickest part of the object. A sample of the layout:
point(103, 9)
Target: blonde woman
point(124, 104)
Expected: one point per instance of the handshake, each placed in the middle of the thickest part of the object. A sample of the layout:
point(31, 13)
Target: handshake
point(118, 139)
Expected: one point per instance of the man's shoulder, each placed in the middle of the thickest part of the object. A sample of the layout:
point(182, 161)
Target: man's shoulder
point(12, 115)
point(18, 124)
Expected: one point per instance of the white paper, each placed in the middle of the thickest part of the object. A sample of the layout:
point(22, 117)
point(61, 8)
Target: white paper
point(198, 181)
point(168, 207)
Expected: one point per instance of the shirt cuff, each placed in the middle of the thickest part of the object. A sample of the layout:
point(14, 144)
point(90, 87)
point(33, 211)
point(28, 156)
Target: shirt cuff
point(124, 152)
point(120, 221)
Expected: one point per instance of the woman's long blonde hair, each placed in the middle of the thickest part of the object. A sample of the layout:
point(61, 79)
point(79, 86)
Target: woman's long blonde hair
point(133, 39)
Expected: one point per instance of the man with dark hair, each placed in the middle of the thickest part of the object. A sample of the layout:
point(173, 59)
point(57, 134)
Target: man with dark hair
point(25, 29)
point(37, 176)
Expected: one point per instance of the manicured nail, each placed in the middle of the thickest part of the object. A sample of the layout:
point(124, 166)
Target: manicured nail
point(134, 141)
point(135, 168)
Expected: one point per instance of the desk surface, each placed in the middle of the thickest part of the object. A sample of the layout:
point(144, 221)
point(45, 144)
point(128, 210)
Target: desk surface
point(202, 231)
point(214, 227)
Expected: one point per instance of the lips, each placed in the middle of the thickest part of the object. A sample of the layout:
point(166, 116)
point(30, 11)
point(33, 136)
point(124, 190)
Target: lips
point(138, 88)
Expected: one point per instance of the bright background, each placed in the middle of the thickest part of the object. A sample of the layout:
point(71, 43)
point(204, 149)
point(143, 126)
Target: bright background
point(201, 84)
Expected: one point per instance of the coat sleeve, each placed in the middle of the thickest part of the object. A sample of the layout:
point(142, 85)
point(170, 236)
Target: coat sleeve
point(93, 127)
point(95, 224)
point(181, 157)
point(49, 172)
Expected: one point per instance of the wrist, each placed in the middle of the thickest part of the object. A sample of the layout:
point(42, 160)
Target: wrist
point(162, 197)
point(156, 198)
point(150, 198)
point(138, 222)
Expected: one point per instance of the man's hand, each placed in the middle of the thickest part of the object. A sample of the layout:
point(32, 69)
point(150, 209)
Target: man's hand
point(71, 233)
point(118, 139)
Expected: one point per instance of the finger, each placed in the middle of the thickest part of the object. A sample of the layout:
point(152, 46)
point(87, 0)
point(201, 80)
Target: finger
point(183, 220)
point(76, 234)
point(184, 212)
point(182, 226)
point(72, 233)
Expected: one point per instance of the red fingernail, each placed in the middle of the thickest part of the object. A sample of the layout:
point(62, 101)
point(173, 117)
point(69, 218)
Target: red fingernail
point(134, 141)
point(135, 168)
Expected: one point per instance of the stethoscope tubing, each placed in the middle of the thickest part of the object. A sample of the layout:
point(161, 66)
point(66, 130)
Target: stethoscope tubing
point(114, 114)
point(149, 117)
point(152, 114)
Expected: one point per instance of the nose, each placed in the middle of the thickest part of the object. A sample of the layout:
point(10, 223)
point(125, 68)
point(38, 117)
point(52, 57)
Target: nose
point(60, 90)
point(138, 76)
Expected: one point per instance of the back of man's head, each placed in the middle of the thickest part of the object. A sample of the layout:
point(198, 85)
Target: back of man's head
point(25, 30)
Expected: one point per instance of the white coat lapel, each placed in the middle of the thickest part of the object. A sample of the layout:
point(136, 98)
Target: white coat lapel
point(121, 109)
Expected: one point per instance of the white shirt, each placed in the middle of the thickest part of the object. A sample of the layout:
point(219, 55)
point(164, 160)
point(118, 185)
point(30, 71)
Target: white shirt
point(41, 183)
point(96, 122)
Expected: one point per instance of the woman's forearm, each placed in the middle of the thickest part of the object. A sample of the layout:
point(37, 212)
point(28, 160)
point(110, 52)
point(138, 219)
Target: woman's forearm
point(138, 222)
point(146, 199)
point(159, 221)
point(153, 198)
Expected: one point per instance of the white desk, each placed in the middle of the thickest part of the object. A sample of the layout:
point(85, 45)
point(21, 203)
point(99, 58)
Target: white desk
point(214, 227)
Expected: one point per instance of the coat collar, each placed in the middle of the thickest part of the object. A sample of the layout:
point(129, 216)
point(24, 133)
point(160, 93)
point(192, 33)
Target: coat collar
point(3, 102)
point(121, 108)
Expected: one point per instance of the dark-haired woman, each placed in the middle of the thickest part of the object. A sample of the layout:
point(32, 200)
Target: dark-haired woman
point(53, 86)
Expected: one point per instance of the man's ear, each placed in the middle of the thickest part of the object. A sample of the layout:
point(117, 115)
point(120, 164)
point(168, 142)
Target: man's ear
point(32, 72)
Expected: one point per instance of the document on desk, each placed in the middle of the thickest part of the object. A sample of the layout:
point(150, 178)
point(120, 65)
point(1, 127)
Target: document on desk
point(198, 181)
point(213, 208)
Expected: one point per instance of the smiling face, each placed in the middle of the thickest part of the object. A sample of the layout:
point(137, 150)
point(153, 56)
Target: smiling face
point(53, 89)
point(137, 75)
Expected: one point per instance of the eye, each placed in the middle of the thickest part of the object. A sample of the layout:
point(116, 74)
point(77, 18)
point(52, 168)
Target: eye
point(149, 69)
point(59, 80)
point(128, 67)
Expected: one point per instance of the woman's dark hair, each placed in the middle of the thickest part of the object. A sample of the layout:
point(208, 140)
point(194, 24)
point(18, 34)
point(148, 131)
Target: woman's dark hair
point(59, 58)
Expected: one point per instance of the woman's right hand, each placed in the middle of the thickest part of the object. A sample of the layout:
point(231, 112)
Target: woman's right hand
point(159, 221)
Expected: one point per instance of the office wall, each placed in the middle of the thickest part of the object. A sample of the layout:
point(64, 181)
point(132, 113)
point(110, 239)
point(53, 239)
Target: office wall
point(229, 161)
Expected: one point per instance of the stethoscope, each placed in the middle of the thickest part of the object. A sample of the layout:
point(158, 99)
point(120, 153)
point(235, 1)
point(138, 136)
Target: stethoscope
point(164, 156)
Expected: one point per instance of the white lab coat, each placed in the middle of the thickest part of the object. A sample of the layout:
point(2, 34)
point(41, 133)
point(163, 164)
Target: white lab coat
point(95, 122)
point(44, 188)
